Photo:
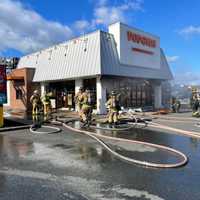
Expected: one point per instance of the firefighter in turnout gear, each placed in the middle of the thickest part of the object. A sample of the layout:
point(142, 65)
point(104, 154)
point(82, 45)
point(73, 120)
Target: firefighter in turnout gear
point(195, 102)
point(46, 103)
point(113, 108)
point(78, 101)
point(36, 102)
point(195, 106)
point(86, 108)
point(178, 106)
point(173, 104)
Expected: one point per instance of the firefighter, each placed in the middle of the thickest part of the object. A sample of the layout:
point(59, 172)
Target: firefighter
point(37, 122)
point(46, 103)
point(36, 102)
point(195, 106)
point(177, 105)
point(78, 99)
point(86, 108)
point(173, 104)
point(113, 107)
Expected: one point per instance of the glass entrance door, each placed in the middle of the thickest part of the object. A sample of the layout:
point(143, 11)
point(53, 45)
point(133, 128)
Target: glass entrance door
point(64, 93)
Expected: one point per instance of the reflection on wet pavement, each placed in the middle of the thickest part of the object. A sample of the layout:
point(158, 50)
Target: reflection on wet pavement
point(135, 151)
point(58, 155)
point(85, 188)
point(68, 166)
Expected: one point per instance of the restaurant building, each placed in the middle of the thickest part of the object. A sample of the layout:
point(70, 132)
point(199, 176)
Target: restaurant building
point(124, 59)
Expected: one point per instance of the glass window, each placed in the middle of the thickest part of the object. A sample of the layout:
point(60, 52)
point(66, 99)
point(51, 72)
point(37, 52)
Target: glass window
point(133, 92)
point(19, 94)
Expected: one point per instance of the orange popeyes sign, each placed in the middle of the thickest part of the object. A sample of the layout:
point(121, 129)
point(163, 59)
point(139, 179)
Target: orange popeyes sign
point(140, 39)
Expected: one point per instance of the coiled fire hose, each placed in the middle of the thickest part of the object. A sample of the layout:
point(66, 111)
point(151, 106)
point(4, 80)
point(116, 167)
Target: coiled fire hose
point(53, 130)
point(97, 137)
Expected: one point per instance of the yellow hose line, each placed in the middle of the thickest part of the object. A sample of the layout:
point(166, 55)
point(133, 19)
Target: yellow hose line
point(174, 121)
point(173, 118)
point(96, 137)
point(187, 133)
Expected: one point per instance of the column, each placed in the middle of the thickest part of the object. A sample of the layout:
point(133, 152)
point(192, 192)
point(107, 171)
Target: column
point(8, 93)
point(157, 96)
point(101, 96)
point(78, 84)
point(43, 88)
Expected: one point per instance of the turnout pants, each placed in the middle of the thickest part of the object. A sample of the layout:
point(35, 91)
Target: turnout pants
point(86, 112)
point(35, 110)
point(113, 117)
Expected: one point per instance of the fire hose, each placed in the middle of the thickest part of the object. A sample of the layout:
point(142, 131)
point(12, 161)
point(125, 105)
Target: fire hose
point(180, 131)
point(175, 118)
point(53, 130)
point(97, 137)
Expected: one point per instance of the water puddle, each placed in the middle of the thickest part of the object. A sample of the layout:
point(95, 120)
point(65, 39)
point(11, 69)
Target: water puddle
point(134, 150)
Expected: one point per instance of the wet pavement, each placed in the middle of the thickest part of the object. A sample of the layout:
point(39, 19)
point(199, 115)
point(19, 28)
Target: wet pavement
point(182, 121)
point(72, 166)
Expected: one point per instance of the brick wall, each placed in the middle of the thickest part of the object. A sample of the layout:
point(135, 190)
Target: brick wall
point(22, 79)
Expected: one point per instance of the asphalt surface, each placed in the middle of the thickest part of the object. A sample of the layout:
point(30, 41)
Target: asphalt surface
point(72, 166)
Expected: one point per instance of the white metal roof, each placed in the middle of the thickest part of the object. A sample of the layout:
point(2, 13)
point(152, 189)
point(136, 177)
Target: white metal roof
point(79, 57)
point(89, 55)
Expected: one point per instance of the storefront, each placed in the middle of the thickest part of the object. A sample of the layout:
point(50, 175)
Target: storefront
point(123, 59)
point(133, 92)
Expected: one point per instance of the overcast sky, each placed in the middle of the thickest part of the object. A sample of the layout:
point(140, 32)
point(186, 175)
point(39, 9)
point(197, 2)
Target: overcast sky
point(29, 25)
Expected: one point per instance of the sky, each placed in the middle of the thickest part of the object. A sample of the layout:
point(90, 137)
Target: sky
point(30, 25)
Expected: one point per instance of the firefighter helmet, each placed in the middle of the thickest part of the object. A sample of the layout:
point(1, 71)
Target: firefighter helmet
point(36, 92)
point(81, 89)
point(113, 93)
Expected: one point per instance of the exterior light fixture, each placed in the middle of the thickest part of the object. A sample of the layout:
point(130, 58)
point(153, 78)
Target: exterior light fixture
point(85, 43)
point(50, 54)
point(108, 37)
point(66, 48)
point(37, 56)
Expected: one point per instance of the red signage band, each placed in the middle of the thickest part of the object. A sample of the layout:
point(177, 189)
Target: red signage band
point(143, 51)
point(3, 88)
point(137, 38)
